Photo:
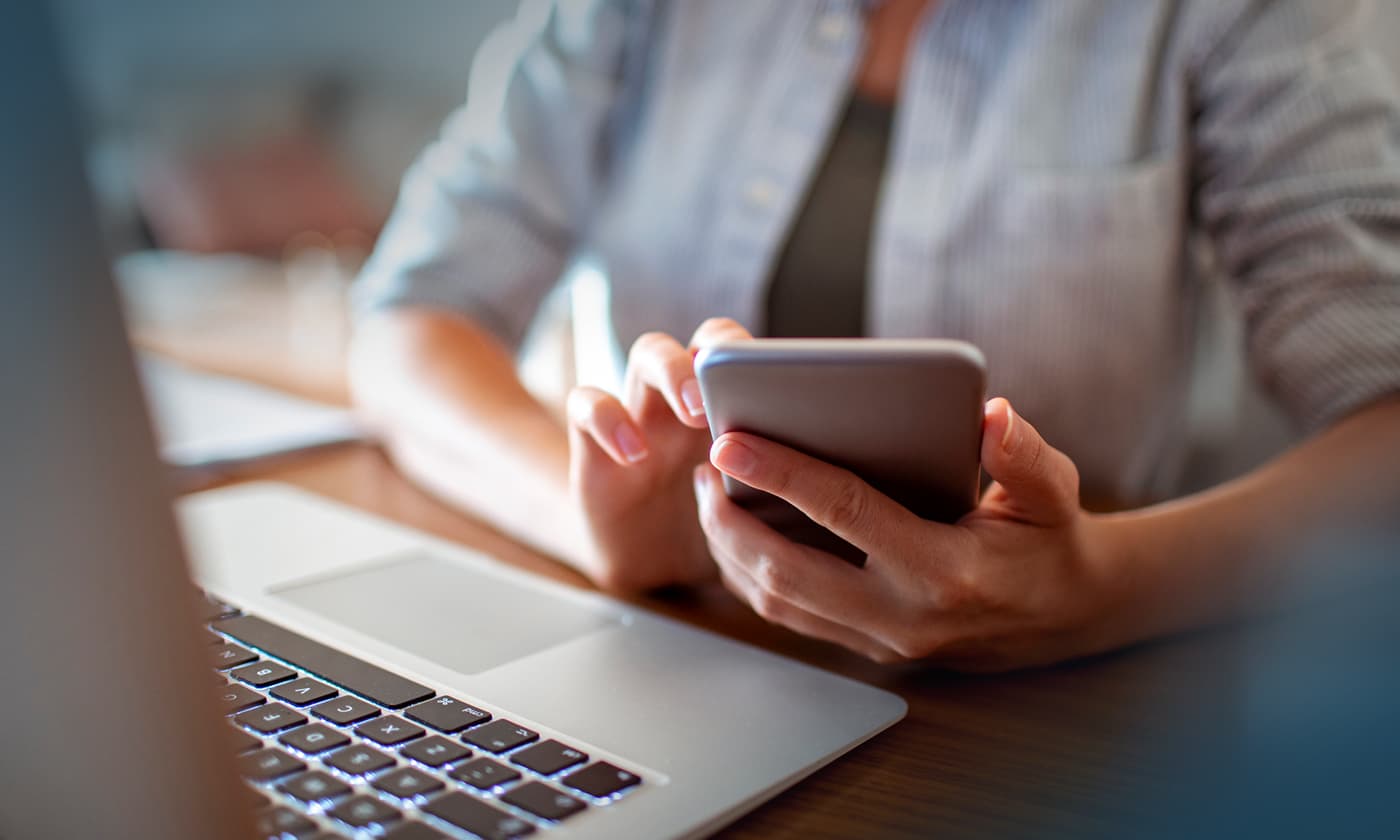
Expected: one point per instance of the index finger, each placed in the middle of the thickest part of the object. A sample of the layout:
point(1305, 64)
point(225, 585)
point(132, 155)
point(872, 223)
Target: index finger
point(830, 496)
point(715, 330)
point(657, 362)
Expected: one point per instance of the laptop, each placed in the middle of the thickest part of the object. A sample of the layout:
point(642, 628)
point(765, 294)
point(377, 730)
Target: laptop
point(267, 663)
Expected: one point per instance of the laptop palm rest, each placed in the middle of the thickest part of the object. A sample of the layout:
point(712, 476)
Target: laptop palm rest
point(462, 620)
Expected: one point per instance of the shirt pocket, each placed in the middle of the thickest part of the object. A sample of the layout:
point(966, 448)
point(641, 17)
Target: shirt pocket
point(1038, 245)
point(1099, 206)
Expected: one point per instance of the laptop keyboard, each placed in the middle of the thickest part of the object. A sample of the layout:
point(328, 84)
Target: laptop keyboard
point(331, 746)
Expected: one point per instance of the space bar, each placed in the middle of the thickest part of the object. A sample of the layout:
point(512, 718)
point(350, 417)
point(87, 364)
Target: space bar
point(371, 681)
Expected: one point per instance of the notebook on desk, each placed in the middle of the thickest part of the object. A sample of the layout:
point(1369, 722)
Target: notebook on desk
point(358, 678)
point(205, 421)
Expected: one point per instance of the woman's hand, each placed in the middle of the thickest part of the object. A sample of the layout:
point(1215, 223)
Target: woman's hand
point(1017, 582)
point(631, 463)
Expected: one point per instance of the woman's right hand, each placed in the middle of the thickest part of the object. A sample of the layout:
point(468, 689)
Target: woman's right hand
point(630, 465)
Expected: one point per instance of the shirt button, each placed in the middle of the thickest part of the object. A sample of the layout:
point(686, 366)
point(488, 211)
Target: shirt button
point(832, 27)
point(761, 193)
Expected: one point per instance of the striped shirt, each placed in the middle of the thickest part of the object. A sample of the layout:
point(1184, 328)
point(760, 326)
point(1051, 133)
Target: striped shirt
point(1066, 178)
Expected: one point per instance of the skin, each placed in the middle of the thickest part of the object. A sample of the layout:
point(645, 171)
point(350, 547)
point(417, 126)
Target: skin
point(631, 499)
point(889, 29)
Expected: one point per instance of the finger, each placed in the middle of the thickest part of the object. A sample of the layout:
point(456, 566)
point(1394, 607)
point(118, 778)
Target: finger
point(658, 362)
point(829, 495)
point(1039, 484)
point(598, 416)
point(737, 580)
point(710, 332)
point(814, 581)
point(715, 330)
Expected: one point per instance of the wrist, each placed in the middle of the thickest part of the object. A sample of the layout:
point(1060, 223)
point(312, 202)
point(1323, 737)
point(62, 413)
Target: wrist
point(1121, 585)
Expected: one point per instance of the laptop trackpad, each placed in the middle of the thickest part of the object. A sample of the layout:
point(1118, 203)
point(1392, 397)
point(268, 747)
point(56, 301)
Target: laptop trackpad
point(450, 615)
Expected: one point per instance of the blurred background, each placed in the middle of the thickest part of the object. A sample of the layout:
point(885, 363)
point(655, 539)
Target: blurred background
point(245, 156)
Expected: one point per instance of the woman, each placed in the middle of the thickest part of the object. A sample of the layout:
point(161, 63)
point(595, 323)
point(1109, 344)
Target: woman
point(1050, 181)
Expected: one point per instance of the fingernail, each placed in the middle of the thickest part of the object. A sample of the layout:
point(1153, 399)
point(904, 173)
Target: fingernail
point(629, 444)
point(690, 395)
point(1010, 424)
point(733, 458)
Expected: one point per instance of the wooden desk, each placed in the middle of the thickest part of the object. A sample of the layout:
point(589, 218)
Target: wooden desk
point(1073, 750)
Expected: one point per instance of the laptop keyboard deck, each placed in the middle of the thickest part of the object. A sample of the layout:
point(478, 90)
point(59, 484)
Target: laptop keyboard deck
point(332, 746)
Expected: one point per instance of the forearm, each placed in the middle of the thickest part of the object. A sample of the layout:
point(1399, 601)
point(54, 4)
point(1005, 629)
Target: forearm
point(444, 397)
point(1234, 550)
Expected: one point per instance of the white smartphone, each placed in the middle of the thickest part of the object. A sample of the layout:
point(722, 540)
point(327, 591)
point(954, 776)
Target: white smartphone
point(903, 414)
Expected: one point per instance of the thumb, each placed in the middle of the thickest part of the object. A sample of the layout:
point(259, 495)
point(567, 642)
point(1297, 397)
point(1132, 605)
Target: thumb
point(1035, 482)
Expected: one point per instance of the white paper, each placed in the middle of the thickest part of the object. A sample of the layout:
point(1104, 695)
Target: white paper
point(202, 419)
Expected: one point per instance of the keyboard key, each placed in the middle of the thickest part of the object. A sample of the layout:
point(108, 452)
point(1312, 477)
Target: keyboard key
point(236, 698)
point(379, 685)
point(281, 821)
point(274, 717)
point(227, 656)
point(345, 710)
point(314, 786)
point(213, 638)
point(315, 738)
point(499, 736)
point(543, 801)
point(303, 692)
point(363, 811)
point(484, 774)
point(242, 741)
point(390, 730)
point(359, 760)
point(406, 783)
point(549, 757)
point(601, 779)
point(263, 674)
point(469, 813)
point(435, 751)
point(268, 764)
point(447, 714)
point(415, 831)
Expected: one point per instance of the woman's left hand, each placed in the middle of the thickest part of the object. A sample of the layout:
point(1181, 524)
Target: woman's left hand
point(1020, 581)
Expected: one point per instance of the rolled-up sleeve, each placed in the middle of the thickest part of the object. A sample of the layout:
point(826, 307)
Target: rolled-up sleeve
point(487, 215)
point(1298, 185)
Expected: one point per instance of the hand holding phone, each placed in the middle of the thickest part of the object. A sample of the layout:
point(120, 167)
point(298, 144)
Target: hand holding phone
point(904, 415)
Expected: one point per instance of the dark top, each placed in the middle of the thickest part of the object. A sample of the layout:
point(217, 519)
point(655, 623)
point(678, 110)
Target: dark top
point(818, 285)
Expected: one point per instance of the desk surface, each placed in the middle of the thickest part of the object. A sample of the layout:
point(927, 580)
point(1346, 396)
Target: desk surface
point(1077, 749)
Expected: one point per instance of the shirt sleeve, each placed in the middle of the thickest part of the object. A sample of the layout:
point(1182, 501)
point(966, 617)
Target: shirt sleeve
point(487, 216)
point(1298, 184)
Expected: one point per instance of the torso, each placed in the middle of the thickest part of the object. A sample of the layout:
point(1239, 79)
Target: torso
point(1059, 252)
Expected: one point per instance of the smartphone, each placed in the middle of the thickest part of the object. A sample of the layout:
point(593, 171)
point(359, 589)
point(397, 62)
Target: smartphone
point(903, 414)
